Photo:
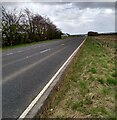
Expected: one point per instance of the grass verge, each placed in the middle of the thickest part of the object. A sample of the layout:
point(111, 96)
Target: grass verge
point(88, 90)
point(27, 44)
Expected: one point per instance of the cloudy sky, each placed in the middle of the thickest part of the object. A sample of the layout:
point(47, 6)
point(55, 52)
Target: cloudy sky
point(74, 17)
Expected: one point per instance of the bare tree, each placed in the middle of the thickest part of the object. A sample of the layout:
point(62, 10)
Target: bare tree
point(10, 23)
point(26, 27)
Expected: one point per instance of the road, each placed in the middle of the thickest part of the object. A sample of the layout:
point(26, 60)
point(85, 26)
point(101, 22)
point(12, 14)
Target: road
point(25, 71)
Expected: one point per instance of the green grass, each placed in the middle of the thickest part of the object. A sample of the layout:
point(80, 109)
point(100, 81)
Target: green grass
point(27, 44)
point(101, 80)
point(82, 85)
point(111, 81)
point(106, 91)
point(88, 89)
point(114, 74)
point(92, 70)
point(96, 112)
point(78, 105)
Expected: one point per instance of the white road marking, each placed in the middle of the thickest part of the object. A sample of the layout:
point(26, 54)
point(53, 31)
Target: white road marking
point(44, 50)
point(36, 47)
point(19, 72)
point(19, 60)
point(62, 44)
point(23, 50)
point(9, 54)
point(19, 51)
point(27, 110)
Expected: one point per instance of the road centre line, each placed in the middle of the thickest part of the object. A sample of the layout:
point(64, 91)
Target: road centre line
point(19, 51)
point(45, 50)
point(62, 44)
point(9, 54)
point(19, 72)
point(22, 50)
point(27, 57)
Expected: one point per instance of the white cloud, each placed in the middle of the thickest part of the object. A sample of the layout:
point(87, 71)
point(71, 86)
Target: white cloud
point(109, 11)
point(76, 18)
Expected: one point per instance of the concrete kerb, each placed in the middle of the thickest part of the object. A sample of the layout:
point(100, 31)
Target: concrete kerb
point(43, 99)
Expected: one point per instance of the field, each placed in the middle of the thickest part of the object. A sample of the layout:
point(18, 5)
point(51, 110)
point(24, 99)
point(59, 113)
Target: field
point(89, 86)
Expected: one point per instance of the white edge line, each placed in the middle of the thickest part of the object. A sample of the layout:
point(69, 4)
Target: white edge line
point(27, 110)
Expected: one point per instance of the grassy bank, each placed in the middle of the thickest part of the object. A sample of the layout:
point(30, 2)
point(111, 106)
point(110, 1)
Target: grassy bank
point(89, 87)
point(24, 45)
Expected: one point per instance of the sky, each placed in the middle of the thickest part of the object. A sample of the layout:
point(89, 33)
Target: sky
point(73, 17)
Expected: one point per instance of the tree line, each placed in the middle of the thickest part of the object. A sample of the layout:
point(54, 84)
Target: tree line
point(26, 27)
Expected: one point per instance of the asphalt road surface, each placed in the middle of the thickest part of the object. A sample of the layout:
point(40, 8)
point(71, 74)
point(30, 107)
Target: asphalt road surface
point(25, 71)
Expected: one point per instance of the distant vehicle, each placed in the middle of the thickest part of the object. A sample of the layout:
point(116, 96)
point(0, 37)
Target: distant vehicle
point(65, 35)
